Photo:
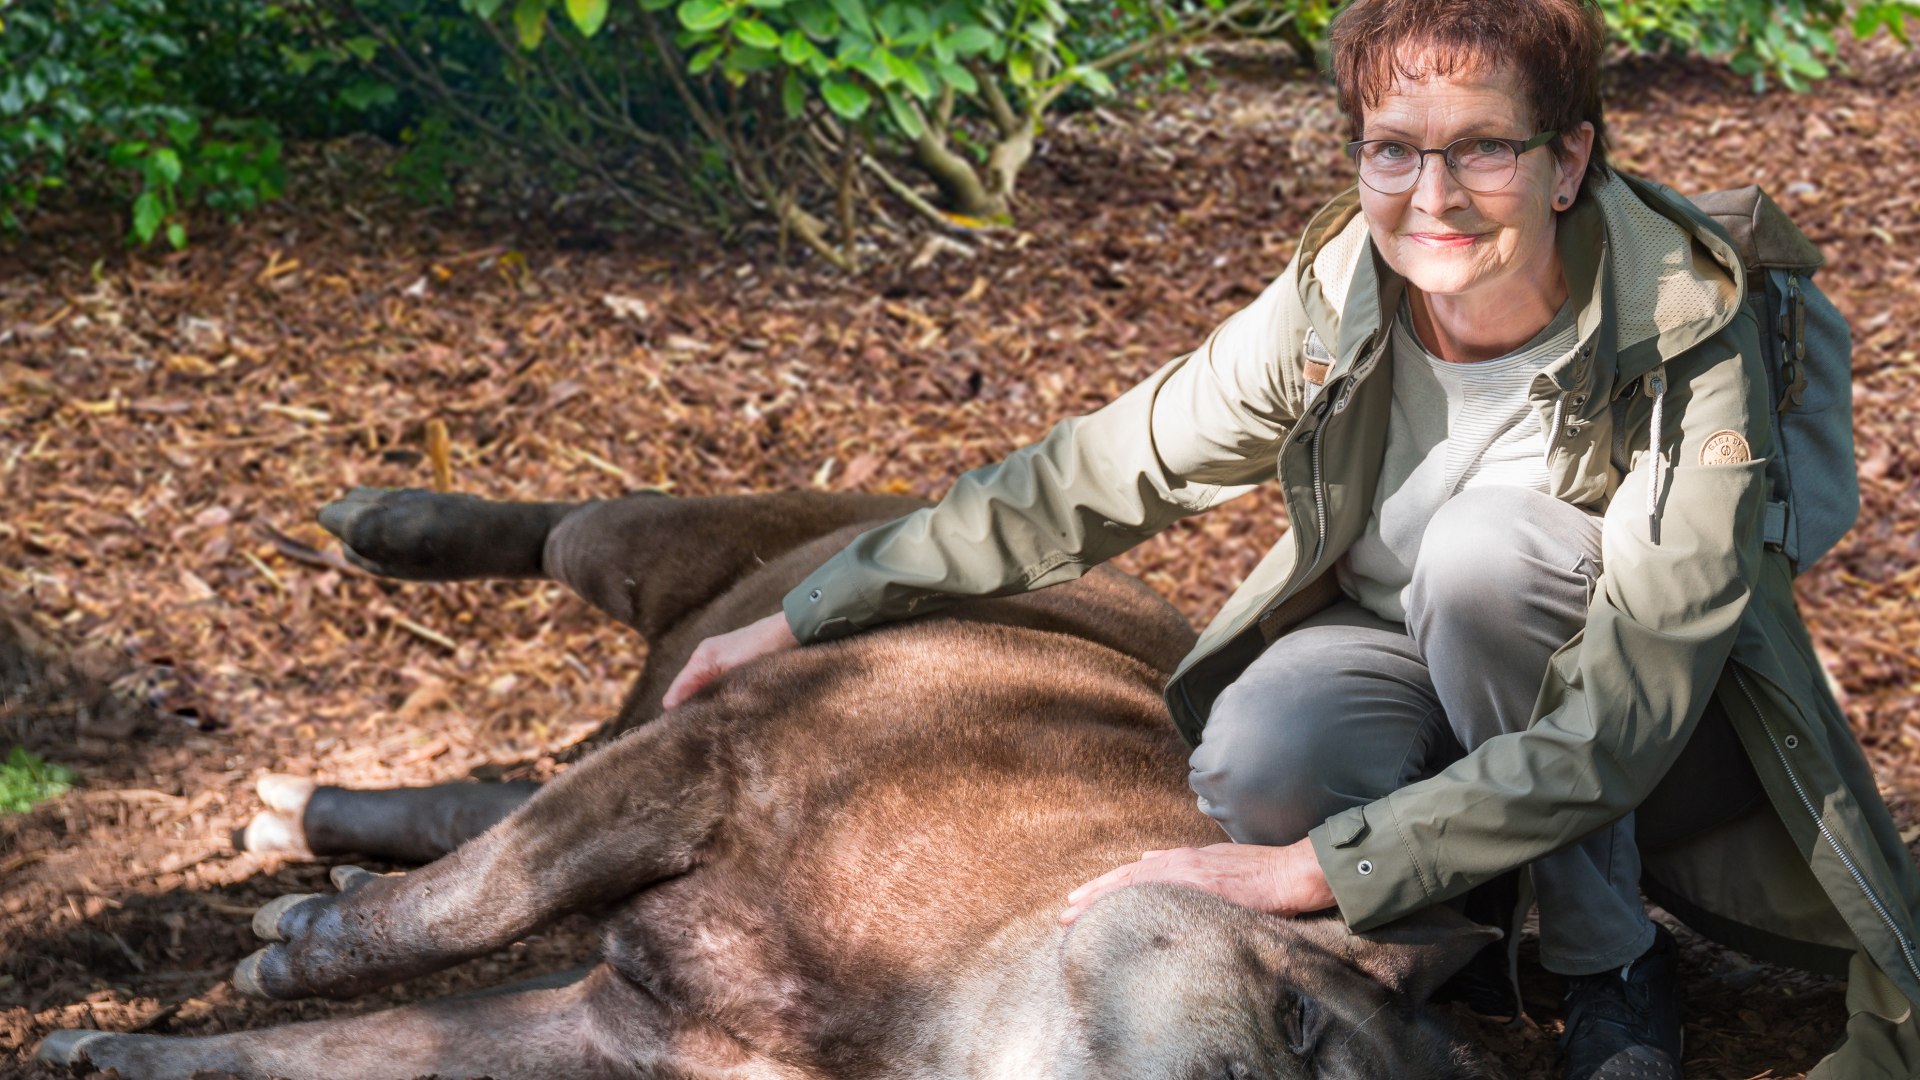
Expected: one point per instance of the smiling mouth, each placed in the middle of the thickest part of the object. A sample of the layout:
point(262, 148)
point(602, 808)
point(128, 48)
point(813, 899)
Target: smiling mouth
point(1444, 239)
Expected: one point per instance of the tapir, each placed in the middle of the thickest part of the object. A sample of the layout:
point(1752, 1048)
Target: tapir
point(840, 862)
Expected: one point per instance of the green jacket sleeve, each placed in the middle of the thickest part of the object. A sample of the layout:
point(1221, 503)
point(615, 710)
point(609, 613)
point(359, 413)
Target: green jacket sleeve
point(1201, 430)
point(1658, 632)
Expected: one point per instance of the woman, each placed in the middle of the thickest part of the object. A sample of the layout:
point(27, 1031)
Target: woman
point(1519, 418)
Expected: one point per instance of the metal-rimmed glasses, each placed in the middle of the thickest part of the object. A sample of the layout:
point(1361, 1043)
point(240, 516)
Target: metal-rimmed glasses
point(1480, 163)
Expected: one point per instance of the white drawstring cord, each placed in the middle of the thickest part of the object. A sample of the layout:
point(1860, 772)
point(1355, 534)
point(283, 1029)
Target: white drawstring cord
point(1658, 383)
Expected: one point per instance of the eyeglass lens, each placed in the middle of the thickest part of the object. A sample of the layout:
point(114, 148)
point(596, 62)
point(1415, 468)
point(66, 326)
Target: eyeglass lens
point(1479, 165)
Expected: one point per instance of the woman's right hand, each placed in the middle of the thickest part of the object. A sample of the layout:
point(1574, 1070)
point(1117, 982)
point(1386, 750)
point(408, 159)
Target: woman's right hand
point(723, 652)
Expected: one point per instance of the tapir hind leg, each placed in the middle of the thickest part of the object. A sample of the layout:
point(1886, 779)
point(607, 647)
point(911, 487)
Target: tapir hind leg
point(578, 1026)
point(638, 811)
point(648, 560)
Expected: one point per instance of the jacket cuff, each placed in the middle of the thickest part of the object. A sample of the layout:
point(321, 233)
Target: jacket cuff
point(1369, 866)
point(826, 605)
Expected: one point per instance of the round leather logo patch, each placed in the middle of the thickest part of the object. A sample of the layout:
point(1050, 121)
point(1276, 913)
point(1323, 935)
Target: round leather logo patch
point(1725, 448)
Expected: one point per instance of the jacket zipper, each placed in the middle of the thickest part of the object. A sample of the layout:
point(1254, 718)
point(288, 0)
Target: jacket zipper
point(1319, 499)
point(1906, 946)
point(1326, 409)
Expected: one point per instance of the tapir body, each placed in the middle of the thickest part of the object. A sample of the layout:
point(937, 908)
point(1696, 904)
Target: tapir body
point(845, 861)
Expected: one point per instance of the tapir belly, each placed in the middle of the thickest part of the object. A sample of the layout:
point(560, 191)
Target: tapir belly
point(823, 913)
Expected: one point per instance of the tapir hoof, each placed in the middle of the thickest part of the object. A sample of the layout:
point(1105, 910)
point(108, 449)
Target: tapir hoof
point(418, 535)
point(287, 921)
point(69, 1048)
point(250, 979)
point(280, 829)
point(386, 531)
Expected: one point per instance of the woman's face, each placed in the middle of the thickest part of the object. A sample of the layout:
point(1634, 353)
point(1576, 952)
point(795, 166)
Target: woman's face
point(1444, 239)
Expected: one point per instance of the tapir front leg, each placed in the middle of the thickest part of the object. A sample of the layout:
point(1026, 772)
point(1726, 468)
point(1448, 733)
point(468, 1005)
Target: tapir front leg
point(641, 810)
point(416, 825)
point(569, 1028)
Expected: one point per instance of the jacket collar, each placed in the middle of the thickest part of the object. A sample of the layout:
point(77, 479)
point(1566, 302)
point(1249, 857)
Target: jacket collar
point(1622, 237)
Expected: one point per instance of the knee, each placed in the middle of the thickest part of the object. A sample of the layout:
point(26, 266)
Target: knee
point(1269, 770)
point(583, 552)
point(1495, 543)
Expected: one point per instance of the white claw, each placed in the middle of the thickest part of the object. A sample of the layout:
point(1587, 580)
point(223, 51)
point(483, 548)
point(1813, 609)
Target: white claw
point(286, 794)
point(274, 833)
point(68, 1047)
point(246, 975)
point(346, 877)
point(266, 921)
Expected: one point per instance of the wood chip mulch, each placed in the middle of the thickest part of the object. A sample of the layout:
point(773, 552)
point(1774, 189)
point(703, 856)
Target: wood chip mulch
point(169, 423)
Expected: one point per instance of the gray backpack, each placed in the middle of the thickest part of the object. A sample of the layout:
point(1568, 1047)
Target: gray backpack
point(1814, 487)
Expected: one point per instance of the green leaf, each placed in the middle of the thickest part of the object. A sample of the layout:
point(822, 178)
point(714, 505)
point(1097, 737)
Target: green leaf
point(854, 14)
point(820, 23)
point(869, 61)
point(486, 9)
point(795, 49)
point(165, 164)
point(793, 95)
point(362, 48)
point(1799, 59)
point(148, 213)
point(910, 75)
point(123, 155)
point(183, 130)
point(970, 40)
point(588, 15)
point(704, 59)
point(748, 60)
point(703, 15)
point(849, 99)
point(959, 78)
point(530, 23)
point(757, 34)
point(905, 115)
point(892, 21)
point(363, 94)
point(1020, 69)
point(177, 236)
point(1095, 80)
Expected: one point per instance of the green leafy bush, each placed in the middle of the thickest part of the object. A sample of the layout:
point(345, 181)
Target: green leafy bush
point(826, 116)
point(173, 106)
point(1792, 41)
point(26, 779)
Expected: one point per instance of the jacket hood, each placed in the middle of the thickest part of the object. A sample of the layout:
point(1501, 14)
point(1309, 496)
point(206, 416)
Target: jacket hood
point(1651, 276)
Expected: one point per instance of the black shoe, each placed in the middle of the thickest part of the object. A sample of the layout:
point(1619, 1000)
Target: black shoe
point(1625, 1024)
point(1483, 986)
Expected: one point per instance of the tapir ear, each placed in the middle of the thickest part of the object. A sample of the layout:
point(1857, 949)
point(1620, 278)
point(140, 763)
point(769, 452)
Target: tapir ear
point(1416, 954)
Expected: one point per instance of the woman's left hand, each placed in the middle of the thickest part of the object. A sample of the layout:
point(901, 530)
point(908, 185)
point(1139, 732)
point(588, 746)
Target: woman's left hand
point(1280, 880)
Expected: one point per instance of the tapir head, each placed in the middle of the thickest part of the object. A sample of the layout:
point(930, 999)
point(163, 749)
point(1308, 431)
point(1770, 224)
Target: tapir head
point(1166, 983)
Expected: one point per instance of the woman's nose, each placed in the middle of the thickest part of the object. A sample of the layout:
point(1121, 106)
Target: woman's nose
point(1436, 191)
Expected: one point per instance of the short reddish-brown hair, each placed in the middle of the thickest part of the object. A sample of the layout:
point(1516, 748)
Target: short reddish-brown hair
point(1554, 46)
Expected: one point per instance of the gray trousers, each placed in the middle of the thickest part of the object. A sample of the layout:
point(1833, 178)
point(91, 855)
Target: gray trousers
point(1349, 706)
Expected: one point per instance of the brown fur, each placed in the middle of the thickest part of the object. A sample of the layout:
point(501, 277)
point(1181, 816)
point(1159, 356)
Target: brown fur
point(842, 861)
